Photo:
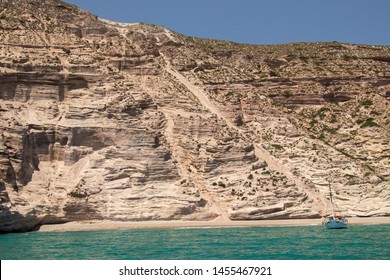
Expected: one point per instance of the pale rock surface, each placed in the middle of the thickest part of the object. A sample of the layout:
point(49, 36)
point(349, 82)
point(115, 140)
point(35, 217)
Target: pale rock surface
point(133, 122)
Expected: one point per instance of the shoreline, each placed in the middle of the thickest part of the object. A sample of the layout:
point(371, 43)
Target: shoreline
point(115, 225)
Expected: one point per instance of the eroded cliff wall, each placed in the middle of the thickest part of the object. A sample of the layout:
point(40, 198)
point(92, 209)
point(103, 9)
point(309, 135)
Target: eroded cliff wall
point(111, 121)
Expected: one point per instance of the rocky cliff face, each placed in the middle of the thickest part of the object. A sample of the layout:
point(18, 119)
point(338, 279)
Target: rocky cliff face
point(112, 121)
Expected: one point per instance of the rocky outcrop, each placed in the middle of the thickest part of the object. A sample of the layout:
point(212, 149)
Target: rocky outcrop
point(128, 122)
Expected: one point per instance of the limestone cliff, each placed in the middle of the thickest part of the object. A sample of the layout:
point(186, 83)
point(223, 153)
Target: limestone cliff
point(111, 121)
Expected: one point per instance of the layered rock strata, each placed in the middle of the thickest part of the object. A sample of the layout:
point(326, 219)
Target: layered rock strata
point(128, 122)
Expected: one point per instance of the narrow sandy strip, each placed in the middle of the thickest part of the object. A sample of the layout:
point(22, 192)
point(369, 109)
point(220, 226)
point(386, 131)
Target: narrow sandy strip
point(110, 225)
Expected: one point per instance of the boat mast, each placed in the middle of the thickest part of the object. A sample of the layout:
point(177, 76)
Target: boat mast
point(331, 200)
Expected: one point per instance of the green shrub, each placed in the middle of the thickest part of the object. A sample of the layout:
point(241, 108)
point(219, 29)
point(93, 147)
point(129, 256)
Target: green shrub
point(369, 123)
point(367, 102)
point(375, 113)
point(277, 146)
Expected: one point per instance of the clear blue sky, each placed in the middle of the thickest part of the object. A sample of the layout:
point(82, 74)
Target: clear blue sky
point(257, 21)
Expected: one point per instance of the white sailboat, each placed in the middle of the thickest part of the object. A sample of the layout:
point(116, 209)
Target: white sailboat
point(334, 221)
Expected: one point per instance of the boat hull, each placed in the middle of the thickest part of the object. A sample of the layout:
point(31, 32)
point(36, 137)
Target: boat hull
point(336, 225)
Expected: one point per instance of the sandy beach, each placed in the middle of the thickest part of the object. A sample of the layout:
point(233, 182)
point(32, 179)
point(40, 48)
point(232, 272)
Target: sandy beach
point(113, 225)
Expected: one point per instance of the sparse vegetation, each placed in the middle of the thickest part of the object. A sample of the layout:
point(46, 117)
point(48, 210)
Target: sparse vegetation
point(313, 122)
point(64, 6)
point(369, 122)
point(367, 103)
point(277, 146)
point(251, 117)
point(375, 113)
point(330, 130)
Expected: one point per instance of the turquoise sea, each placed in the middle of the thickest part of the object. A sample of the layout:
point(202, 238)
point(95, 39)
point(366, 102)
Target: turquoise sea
point(367, 242)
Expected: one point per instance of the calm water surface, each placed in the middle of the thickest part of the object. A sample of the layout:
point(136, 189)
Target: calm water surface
point(369, 242)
